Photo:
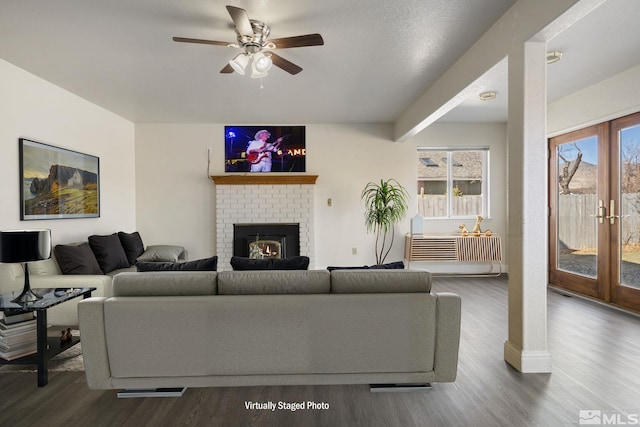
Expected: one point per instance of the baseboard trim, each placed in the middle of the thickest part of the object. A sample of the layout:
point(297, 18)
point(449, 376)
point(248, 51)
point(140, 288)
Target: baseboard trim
point(527, 362)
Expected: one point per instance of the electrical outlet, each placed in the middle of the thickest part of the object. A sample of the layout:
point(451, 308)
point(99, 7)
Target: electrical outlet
point(354, 251)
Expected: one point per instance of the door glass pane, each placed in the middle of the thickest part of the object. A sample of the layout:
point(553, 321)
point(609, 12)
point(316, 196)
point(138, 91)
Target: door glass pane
point(630, 206)
point(577, 206)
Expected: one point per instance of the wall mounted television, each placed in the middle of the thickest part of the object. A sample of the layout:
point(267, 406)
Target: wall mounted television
point(264, 149)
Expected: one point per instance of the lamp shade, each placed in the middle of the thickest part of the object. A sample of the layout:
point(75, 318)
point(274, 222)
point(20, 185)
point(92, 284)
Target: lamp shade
point(239, 63)
point(261, 65)
point(25, 245)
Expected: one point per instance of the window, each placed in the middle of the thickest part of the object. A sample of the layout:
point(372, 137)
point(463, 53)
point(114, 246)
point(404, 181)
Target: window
point(452, 183)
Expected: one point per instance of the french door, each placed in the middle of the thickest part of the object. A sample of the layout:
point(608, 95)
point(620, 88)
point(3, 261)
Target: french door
point(594, 227)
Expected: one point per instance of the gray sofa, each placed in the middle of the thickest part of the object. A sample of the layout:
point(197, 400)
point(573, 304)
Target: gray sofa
point(248, 328)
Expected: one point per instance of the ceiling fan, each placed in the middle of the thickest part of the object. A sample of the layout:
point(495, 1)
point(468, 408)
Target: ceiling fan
point(253, 39)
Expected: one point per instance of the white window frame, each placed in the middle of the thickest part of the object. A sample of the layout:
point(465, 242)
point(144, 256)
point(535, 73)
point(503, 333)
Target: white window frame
point(449, 179)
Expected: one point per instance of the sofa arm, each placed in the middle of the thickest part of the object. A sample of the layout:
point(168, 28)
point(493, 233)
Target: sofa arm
point(11, 278)
point(94, 342)
point(448, 313)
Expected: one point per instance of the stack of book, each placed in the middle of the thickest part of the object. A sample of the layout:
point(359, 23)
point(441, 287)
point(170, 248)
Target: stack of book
point(17, 335)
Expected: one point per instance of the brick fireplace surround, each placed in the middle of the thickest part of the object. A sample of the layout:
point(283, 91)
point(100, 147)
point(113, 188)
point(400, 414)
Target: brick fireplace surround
point(249, 199)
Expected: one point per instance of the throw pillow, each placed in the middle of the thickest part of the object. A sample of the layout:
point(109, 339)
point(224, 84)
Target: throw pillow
point(109, 253)
point(398, 265)
point(76, 259)
point(362, 267)
point(161, 253)
point(291, 263)
point(132, 245)
point(206, 264)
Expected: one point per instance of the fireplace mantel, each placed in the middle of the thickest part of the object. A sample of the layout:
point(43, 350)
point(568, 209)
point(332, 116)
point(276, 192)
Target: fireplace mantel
point(262, 179)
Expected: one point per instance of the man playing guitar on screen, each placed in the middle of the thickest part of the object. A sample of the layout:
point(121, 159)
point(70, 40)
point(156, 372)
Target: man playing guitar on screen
point(259, 151)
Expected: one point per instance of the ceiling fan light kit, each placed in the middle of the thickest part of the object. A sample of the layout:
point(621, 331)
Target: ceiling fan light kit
point(239, 63)
point(260, 65)
point(253, 39)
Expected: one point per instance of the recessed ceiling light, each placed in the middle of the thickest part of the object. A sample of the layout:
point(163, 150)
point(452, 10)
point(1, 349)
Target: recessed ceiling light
point(487, 96)
point(554, 56)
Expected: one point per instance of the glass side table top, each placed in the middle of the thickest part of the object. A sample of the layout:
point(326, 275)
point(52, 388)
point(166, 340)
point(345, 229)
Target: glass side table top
point(50, 297)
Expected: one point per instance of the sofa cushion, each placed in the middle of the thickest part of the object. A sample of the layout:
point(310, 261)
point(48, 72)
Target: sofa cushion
point(109, 252)
point(273, 282)
point(161, 253)
point(47, 267)
point(77, 259)
point(389, 266)
point(10, 273)
point(291, 263)
point(380, 281)
point(206, 264)
point(132, 245)
point(167, 283)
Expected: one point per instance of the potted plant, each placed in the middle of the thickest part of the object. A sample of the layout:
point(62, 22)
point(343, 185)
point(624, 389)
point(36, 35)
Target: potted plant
point(385, 205)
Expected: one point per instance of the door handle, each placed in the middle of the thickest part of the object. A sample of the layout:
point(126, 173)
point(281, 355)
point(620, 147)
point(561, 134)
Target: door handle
point(612, 209)
point(601, 212)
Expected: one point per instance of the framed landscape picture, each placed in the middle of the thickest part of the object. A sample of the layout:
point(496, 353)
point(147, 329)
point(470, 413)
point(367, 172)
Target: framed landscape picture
point(265, 149)
point(56, 183)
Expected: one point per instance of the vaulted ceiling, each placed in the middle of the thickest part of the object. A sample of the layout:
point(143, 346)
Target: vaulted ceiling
point(379, 56)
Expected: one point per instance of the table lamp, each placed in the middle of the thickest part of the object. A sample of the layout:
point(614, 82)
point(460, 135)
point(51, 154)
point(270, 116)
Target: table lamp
point(25, 246)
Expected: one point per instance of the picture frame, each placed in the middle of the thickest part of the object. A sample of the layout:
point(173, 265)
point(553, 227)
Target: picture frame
point(265, 148)
point(57, 183)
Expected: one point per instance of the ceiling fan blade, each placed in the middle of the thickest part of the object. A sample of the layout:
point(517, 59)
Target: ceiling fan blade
point(228, 69)
point(240, 20)
point(288, 66)
point(214, 42)
point(298, 41)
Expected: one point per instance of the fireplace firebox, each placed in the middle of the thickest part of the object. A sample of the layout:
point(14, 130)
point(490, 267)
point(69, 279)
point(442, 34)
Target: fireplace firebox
point(273, 240)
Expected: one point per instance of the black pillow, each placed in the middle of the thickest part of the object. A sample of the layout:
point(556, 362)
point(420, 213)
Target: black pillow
point(77, 259)
point(362, 267)
point(389, 266)
point(109, 253)
point(132, 245)
point(292, 263)
point(206, 264)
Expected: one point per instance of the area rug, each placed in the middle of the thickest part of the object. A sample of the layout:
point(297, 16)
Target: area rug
point(67, 361)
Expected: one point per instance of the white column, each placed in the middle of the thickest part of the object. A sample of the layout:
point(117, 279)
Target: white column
point(526, 346)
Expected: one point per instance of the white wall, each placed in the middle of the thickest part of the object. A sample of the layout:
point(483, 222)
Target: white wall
point(176, 202)
point(175, 198)
point(35, 109)
point(609, 99)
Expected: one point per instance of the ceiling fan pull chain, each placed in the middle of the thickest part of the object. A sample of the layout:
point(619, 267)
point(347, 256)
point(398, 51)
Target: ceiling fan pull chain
point(261, 85)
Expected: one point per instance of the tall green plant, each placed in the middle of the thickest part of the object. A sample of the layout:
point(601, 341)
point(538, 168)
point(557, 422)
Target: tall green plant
point(385, 205)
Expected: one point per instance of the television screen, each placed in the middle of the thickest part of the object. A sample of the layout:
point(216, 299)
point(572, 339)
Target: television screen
point(264, 149)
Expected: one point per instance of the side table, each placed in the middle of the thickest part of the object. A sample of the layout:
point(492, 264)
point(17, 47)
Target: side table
point(46, 347)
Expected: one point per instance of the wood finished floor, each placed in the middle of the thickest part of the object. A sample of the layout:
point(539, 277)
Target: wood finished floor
point(596, 365)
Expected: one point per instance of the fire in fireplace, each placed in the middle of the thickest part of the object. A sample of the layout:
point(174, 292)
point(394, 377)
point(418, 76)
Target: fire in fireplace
point(266, 240)
point(261, 249)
